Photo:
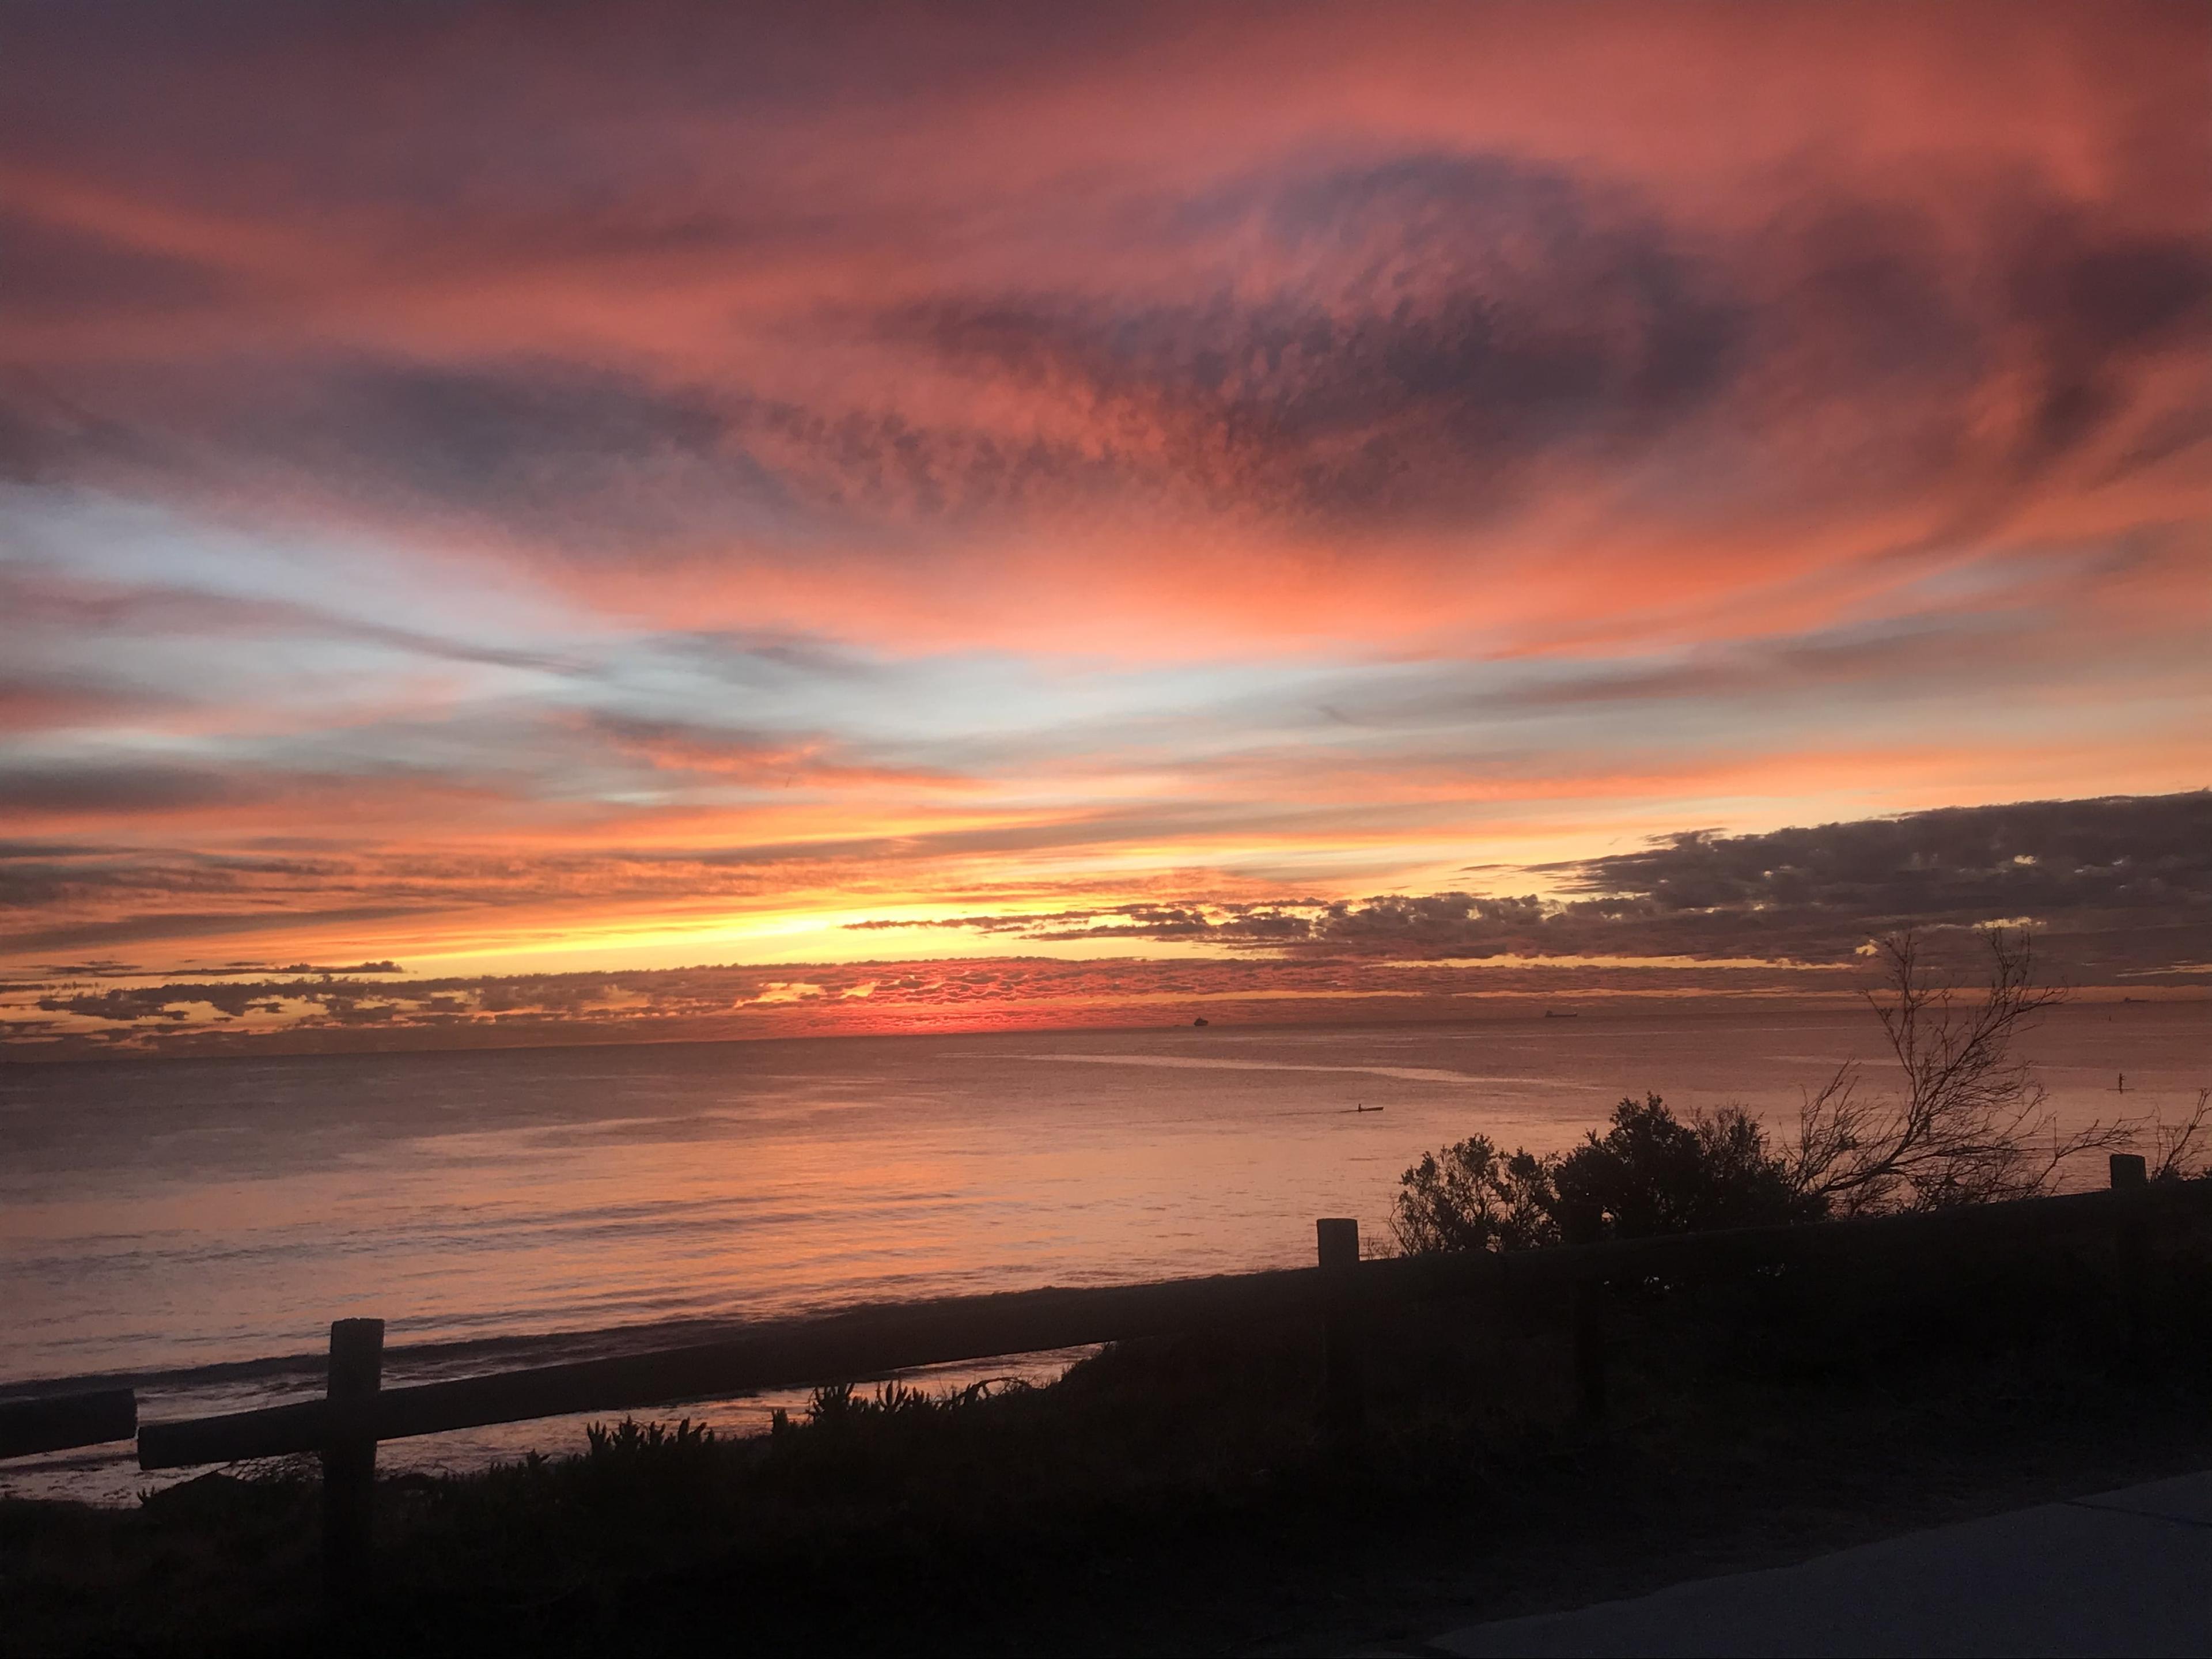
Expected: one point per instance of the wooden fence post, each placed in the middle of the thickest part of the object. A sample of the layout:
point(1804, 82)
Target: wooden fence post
point(1586, 1319)
point(349, 1464)
point(1586, 1303)
point(1344, 1408)
point(2130, 1173)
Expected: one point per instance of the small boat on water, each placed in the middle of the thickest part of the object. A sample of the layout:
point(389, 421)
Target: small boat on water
point(1200, 1020)
point(1367, 1109)
point(1559, 1013)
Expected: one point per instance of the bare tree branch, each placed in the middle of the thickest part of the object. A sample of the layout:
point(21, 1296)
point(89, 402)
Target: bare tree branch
point(2175, 1144)
point(1973, 1126)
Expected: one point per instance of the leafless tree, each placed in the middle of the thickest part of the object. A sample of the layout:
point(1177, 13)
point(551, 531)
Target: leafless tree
point(2178, 1157)
point(1972, 1126)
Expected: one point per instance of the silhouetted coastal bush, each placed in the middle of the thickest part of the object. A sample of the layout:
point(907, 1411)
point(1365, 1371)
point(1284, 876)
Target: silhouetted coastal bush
point(1648, 1173)
point(1967, 1124)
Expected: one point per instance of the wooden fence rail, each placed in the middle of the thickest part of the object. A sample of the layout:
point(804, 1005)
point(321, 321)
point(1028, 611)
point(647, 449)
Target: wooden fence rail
point(62, 1422)
point(864, 1342)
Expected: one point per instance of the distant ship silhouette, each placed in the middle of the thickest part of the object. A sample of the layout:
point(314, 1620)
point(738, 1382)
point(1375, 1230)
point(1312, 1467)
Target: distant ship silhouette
point(1554, 1013)
point(1200, 1020)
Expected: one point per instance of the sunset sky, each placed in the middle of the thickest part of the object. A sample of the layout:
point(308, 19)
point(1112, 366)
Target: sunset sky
point(612, 489)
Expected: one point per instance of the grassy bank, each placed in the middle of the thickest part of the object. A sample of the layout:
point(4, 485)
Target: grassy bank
point(1178, 1495)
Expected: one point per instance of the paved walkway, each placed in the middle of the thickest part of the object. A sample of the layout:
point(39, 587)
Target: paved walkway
point(2124, 1573)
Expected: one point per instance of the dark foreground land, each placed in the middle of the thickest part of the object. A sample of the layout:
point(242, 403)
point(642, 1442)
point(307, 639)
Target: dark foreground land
point(1179, 1495)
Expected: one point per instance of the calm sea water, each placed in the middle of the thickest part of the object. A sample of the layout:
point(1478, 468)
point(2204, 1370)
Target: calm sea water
point(193, 1227)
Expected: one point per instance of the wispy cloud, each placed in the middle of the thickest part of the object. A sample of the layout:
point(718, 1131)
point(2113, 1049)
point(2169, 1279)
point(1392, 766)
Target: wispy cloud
point(713, 477)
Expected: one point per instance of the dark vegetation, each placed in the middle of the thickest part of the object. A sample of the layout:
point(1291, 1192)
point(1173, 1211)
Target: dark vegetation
point(1177, 1496)
point(1180, 1495)
point(1968, 1124)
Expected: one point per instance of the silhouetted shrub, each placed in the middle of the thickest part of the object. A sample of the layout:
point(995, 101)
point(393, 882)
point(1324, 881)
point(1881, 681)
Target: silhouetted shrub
point(632, 1441)
point(1971, 1127)
point(1471, 1197)
point(1650, 1173)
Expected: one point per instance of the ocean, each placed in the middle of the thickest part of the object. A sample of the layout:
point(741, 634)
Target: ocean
point(192, 1227)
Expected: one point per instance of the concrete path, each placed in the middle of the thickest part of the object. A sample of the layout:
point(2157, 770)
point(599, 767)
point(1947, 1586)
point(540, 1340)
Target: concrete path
point(2124, 1573)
